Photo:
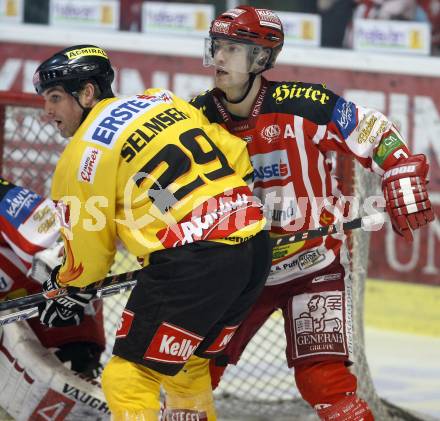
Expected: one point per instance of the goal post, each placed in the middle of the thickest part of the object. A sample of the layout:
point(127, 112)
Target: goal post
point(260, 385)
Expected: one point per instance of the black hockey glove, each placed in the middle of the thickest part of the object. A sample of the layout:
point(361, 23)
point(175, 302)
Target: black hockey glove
point(64, 311)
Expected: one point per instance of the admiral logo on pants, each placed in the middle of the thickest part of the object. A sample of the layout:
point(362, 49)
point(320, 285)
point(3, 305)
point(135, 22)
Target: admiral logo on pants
point(172, 344)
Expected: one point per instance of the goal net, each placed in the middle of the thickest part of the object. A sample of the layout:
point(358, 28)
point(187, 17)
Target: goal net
point(260, 386)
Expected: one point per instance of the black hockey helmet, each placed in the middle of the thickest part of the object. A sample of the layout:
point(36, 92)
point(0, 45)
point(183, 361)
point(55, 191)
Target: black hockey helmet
point(73, 66)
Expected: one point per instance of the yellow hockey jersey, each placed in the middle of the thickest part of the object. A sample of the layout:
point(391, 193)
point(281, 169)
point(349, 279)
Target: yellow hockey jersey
point(151, 171)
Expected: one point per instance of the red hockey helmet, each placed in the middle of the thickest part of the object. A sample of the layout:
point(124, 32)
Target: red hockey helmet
point(249, 25)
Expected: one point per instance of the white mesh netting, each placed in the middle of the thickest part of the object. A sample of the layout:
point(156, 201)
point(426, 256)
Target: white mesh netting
point(260, 386)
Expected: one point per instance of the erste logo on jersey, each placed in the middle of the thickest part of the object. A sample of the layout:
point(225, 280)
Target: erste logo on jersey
point(118, 115)
point(172, 344)
point(271, 166)
point(89, 164)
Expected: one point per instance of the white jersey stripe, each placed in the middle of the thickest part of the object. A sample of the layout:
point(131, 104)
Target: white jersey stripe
point(319, 135)
point(321, 171)
point(299, 133)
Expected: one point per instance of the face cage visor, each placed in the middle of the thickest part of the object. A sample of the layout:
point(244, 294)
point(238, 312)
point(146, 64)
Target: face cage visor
point(234, 56)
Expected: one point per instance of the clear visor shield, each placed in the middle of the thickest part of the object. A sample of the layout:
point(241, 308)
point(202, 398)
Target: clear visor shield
point(232, 56)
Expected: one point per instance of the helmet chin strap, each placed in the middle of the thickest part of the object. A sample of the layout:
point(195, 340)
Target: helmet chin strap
point(250, 83)
point(85, 111)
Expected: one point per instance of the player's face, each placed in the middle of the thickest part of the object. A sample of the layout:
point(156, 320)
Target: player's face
point(63, 110)
point(231, 64)
point(231, 56)
point(233, 61)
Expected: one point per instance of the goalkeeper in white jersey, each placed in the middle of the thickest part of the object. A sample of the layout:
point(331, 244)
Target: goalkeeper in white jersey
point(151, 171)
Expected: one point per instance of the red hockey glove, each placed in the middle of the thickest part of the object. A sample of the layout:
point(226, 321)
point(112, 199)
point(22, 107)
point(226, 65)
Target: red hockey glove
point(407, 201)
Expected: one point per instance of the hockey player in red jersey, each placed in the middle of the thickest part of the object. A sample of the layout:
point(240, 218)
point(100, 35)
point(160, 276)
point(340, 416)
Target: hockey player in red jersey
point(289, 128)
point(29, 231)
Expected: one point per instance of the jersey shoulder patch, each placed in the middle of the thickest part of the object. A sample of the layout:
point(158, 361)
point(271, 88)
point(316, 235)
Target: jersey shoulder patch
point(17, 204)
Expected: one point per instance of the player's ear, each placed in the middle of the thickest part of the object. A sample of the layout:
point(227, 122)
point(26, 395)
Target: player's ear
point(89, 94)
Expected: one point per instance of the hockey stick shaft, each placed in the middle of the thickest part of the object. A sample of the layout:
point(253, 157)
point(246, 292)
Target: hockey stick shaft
point(115, 281)
point(99, 287)
point(368, 223)
point(29, 313)
point(18, 316)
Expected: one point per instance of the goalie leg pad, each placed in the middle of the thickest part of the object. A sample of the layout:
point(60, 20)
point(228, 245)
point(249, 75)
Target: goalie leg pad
point(189, 393)
point(34, 384)
point(330, 388)
point(131, 390)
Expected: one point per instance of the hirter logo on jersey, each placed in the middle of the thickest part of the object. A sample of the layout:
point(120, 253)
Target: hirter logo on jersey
point(89, 164)
point(172, 344)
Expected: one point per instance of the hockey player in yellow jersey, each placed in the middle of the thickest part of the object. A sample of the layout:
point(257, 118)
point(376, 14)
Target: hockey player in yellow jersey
point(150, 171)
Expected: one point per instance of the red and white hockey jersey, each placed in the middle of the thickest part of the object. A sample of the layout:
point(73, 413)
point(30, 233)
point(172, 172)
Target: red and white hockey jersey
point(28, 224)
point(291, 129)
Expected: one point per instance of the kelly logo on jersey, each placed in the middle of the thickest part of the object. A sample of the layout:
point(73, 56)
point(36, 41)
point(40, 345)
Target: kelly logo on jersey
point(271, 166)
